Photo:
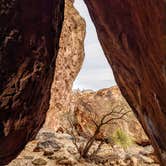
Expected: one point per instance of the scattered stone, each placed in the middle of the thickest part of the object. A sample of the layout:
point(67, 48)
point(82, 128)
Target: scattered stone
point(65, 161)
point(148, 150)
point(48, 144)
point(72, 150)
point(28, 157)
point(122, 163)
point(52, 157)
point(113, 157)
point(128, 162)
point(147, 160)
point(60, 130)
point(45, 135)
point(155, 159)
point(134, 161)
point(48, 153)
point(112, 162)
point(37, 149)
point(39, 161)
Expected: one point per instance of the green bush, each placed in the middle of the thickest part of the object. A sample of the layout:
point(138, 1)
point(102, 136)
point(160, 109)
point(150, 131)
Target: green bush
point(122, 139)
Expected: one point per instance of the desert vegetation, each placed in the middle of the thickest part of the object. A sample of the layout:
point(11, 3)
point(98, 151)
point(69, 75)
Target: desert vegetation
point(99, 130)
point(116, 114)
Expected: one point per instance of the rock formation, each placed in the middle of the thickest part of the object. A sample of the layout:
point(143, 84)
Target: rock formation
point(56, 149)
point(101, 103)
point(131, 34)
point(68, 64)
point(29, 39)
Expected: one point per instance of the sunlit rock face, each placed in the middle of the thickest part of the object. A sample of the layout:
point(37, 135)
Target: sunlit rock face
point(100, 103)
point(68, 64)
point(29, 39)
point(131, 33)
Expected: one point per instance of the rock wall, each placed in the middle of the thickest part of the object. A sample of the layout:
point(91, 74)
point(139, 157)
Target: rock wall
point(68, 64)
point(29, 39)
point(132, 33)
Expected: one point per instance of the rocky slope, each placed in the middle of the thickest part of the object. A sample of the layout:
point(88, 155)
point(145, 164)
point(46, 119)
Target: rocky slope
point(68, 64)
point(101, 103)
point(56, 148)
point(131, 33)
point(29, 39)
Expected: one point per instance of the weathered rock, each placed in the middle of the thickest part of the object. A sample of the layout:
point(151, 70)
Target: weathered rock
point(65, 161)
point(101, 103)
point(47, 144)
point(132, 35)
point(39, 161)
point(134, 161)
point(48, 153)
point(52, 157)
point(68, 64)
point(29, 39)
point(69, 155)
point(28, 157)
point(147, 160)
point(45, 135)
point(72, 150)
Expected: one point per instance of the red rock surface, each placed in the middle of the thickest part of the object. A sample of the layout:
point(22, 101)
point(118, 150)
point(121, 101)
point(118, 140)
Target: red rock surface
point(100, 103)
point(131, 33)
point(29, 37)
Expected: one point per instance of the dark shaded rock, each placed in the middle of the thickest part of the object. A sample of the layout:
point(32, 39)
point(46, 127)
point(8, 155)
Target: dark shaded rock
point(29, 39)
point(48, 144)
point(52, 157)
point(132, 34)
point(45, 135)
point(48, 153)
point(143, 143)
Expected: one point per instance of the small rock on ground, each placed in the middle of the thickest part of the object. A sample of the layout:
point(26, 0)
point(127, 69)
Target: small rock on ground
point(39, 161)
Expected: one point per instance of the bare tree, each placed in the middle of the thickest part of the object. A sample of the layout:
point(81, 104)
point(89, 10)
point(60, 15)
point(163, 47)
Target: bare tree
point(110, 118)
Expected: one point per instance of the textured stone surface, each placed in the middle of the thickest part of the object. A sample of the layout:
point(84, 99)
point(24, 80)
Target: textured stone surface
point(68, 155)
point(29, 39)
point(131, 33)
point(68, 64)
point(101, 103)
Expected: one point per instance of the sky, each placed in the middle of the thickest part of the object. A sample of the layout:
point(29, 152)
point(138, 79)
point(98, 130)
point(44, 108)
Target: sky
point(96, 72)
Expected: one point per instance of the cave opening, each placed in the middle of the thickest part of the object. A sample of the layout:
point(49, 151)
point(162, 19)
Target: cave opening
point(96, 72)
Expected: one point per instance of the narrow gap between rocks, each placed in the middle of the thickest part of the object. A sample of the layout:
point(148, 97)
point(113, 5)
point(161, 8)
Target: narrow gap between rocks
point(95, 73)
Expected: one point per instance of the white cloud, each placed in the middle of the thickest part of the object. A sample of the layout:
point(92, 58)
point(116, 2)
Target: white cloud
point(96, 72)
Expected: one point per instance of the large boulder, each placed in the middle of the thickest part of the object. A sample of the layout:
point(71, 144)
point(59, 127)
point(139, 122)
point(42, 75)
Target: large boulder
point(29, 40)
point(132, 34)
